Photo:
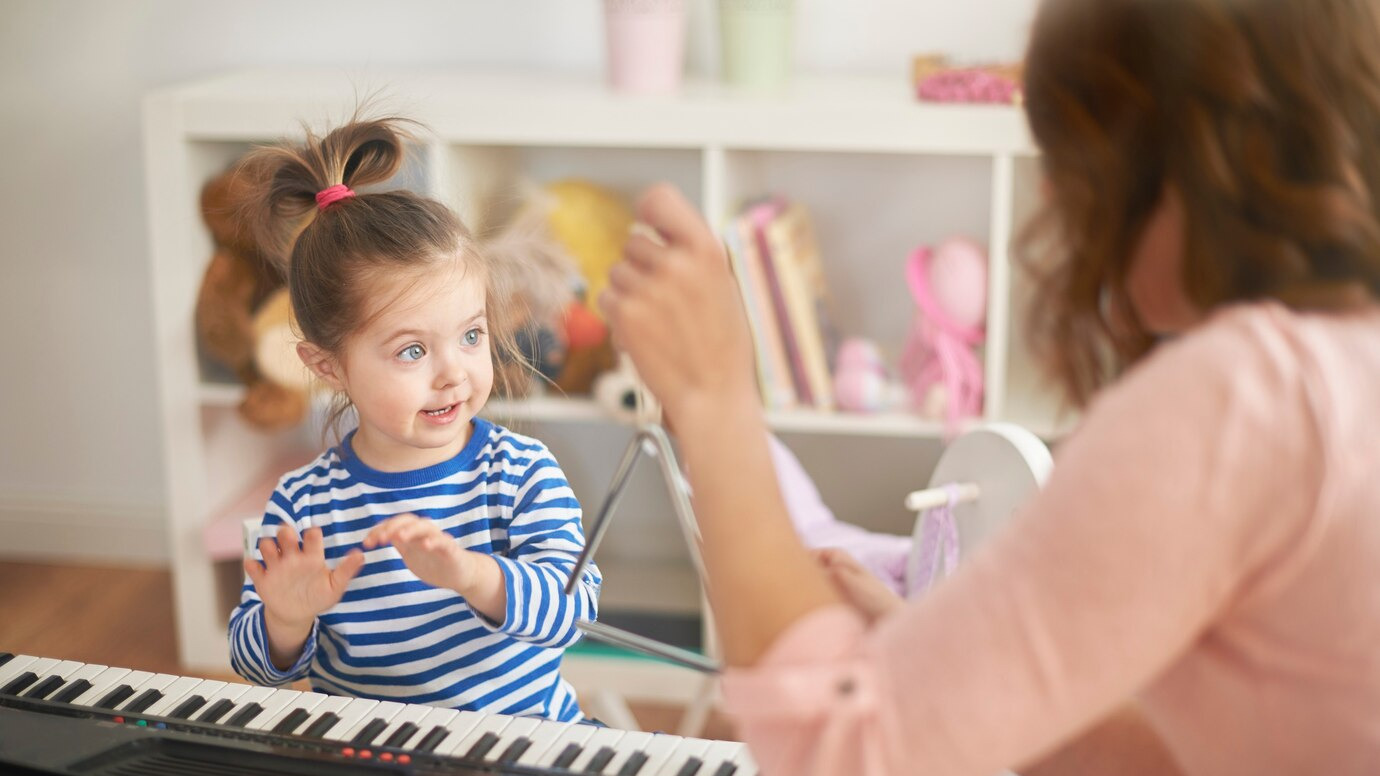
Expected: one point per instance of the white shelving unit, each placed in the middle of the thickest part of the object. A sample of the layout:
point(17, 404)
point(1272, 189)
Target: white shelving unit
point(880, 172)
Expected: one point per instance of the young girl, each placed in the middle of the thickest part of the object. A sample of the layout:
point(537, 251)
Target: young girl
point(1202, 568)
point(423, 558)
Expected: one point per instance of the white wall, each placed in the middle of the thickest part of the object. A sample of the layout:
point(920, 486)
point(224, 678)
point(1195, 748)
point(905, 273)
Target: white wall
point(80, 471)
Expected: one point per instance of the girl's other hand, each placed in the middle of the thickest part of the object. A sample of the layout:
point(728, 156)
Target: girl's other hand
point(674, 307)
point(294, 581)
point(430, 553)
point(858, 586)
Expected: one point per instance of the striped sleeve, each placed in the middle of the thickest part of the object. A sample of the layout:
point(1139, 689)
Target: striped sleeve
point(249, 655)
point(545, 538)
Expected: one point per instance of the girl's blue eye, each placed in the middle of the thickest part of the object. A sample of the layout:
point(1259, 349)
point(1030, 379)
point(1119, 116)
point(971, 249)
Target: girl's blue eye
point(473, 336)
point(412, 352)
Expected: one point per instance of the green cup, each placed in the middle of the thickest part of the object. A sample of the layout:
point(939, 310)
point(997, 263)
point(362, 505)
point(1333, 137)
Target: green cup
point(756, 42)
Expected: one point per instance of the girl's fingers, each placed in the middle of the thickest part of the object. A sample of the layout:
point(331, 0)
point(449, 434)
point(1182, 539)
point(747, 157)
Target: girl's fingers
point(268, 548)
point(287, 540)
point(346, 569)
point(254, 570)
point(313, 546)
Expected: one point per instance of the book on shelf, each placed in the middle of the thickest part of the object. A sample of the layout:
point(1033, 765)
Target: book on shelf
point(794, 252)
point(760, 215)
point(773, 372)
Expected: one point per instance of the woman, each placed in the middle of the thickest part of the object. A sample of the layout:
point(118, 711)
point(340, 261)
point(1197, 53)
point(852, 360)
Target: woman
point(1203, 566)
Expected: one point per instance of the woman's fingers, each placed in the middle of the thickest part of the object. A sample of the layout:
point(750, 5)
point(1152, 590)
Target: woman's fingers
point(666, 210)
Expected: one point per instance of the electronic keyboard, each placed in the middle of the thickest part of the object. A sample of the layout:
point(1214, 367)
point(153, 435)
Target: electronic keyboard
point(66, 717)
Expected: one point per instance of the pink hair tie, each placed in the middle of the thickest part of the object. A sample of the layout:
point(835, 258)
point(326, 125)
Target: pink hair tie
point(331, 194)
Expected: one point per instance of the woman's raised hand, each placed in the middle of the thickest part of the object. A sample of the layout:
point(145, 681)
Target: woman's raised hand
point(674, 307)
point(294, 581)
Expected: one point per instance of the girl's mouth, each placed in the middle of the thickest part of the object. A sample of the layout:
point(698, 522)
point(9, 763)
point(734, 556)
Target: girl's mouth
point(443, 415)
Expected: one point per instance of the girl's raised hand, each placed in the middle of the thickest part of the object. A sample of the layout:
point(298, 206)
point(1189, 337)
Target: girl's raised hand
point(294, 581)
point(430, 553)
point(674, 307)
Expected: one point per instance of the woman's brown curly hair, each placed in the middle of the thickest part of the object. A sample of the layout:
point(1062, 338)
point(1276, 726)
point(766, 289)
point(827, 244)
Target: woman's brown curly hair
point(1262, 115)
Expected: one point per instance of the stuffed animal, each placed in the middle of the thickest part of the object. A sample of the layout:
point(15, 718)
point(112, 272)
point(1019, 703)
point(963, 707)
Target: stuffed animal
point(239, 278)
point(569, 343)
point(939, 362)
point(862, 383)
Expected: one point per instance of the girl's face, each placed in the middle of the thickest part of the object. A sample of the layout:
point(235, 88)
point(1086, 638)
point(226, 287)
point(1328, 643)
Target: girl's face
point(1155, 278)
point(420, 368)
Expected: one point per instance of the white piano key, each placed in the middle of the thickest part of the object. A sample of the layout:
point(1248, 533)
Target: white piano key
point(746, 765)
point(517, 727)
point(306, 701)
point(213, 691)
point(573, 734)
point(718, 753)
point(436, 717)
point(132, 679)
point(602, 737)
point(458, 728)
point(386, 711)
point(273, 706)
point(543, 738)
point(87, 672)
point(632, 741)
point(104, 682)
point(349, 718)
point(461, 745)
point(154, 682)
point(333, 704)
point(17, 665)
point(412, 712)
point(62, 670)
point(658, 751)
point(253, 693)
point(173, 695)
point(686, 749)
point(38, 667)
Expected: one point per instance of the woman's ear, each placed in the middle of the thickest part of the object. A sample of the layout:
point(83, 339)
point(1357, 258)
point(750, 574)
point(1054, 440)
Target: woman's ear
point(321, 363)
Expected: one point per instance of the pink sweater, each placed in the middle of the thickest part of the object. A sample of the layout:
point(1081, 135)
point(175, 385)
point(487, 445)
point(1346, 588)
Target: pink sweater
point(1208, 544)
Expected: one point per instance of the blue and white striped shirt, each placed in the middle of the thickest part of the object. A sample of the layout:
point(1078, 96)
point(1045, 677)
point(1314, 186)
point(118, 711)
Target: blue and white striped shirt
point(393, 636)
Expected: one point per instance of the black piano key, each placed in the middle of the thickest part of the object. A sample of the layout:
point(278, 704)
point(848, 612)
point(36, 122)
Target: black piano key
point(245, 715)
point(634, 764)
point(291, 721)
point(432, 739)
point(115, 697)
point(567, 756)
point(17, 684)
point(402, 735)
point(187, 708)
point(727, 769)
point(367, 733)
point(600, 759)
point(515, 750)
point(482, 746)
point(146, 699)
point(322, 725)
point(72, 691)
point(690, 767)
point(6, 657)
point(216, 710)
point(45, 688)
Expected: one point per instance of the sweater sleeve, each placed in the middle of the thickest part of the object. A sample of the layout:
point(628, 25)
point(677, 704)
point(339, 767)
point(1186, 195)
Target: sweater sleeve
point(545, 538)
point(249, 655)
point(1184, 489)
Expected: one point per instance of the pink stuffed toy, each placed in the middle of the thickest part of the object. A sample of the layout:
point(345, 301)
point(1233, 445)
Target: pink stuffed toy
point(939, 362)
point(862, 382)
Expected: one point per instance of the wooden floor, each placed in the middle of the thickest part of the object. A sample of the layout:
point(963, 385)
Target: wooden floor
point(124, 617)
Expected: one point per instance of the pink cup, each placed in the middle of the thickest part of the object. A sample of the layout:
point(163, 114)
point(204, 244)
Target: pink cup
point(646, 44)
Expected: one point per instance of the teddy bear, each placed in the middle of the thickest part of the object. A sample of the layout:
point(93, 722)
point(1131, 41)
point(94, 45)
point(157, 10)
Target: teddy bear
point(240, 277)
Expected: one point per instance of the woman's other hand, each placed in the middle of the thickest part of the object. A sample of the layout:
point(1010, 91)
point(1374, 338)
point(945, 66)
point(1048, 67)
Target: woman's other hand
point(857, 586)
